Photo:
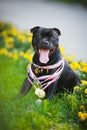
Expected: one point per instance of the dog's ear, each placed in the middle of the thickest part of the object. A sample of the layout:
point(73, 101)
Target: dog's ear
point(33, 30)
point(57, 30)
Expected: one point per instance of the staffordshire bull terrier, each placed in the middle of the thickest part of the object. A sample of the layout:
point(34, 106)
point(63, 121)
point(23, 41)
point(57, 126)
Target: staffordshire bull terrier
point(48, 67)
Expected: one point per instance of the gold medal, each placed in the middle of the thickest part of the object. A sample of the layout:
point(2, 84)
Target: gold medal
point(36, 70)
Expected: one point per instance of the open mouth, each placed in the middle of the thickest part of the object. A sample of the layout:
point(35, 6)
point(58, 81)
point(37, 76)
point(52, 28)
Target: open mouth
point(44, 55)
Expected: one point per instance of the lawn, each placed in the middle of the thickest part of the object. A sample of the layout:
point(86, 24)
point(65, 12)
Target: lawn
point(63, 112)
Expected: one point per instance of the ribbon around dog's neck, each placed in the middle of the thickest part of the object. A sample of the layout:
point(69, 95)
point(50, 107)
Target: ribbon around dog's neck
point(46, 80)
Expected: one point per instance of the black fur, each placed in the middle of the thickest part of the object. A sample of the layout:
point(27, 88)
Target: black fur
point(44, 38)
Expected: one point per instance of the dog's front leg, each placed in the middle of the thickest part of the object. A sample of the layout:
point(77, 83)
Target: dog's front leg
point(25, 87)
point(51, 90)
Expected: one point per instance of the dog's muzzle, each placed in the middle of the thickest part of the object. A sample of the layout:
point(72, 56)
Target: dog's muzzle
point(46, 48)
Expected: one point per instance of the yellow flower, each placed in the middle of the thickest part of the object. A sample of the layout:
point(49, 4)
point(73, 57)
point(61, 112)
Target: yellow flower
point(9, 39)
point(62, 50)
point(29, 39)
point(83, 64)
point(13, 31)
point(85, 91)
point(82, 107)
point(82, 116)
point(84, 82)
point(28, 51)
point(22, 38)
point(84, 69)
point(26, 56)
point(21, 53)
point(79, 114)
point(28, 66)
point(85, 115)
point(4, 33)
point(75, 65)
point(9, 42)
point(3, 51)
point(10, 54)
point(20, 33)
point(76, 87)
point(29, 34)
point(11, 45)
point(15, 55)
point(30, 57)
point(70, 58)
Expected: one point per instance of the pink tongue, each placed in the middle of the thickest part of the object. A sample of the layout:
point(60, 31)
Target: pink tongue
point(44, 56)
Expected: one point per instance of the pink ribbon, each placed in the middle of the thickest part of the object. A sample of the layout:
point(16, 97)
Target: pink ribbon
point(47, 80)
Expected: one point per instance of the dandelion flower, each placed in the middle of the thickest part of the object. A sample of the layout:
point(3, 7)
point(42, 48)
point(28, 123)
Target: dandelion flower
point(75, 65)
point(21, 53)
point(15, 55)
point(4, 33)
point(13, 31)
point(29, 39)
point(84, 82)
point(22, 38)
point(76, 87)
point(62, 50)
point(82, 107)
point(79, 114)
point(83, 117)
point(9, 39)
point(4, 51)
point(84, 69)
point(83, 64)
point(85, 91)
point(10, 54)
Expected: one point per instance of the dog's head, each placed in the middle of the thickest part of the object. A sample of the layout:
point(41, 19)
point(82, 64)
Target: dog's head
point(45, 41)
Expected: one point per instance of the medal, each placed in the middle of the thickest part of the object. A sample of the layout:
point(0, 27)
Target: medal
point(40, 92)
point(36, 70)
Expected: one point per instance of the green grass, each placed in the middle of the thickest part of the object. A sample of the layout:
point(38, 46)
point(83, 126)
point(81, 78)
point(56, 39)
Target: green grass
point(25, 113)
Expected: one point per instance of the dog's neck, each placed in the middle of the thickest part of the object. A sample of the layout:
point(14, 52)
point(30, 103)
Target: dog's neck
point(43, 78)
point(53, 58)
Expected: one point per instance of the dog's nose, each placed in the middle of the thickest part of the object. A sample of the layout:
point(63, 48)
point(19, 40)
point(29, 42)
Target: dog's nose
point(46, 43)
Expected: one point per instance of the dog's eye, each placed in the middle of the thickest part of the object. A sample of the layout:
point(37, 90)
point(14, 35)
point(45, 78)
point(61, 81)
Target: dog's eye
point(39, 35)
point(55, 38)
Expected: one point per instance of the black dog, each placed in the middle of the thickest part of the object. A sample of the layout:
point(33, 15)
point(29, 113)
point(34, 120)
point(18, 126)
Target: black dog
point(48, 61)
